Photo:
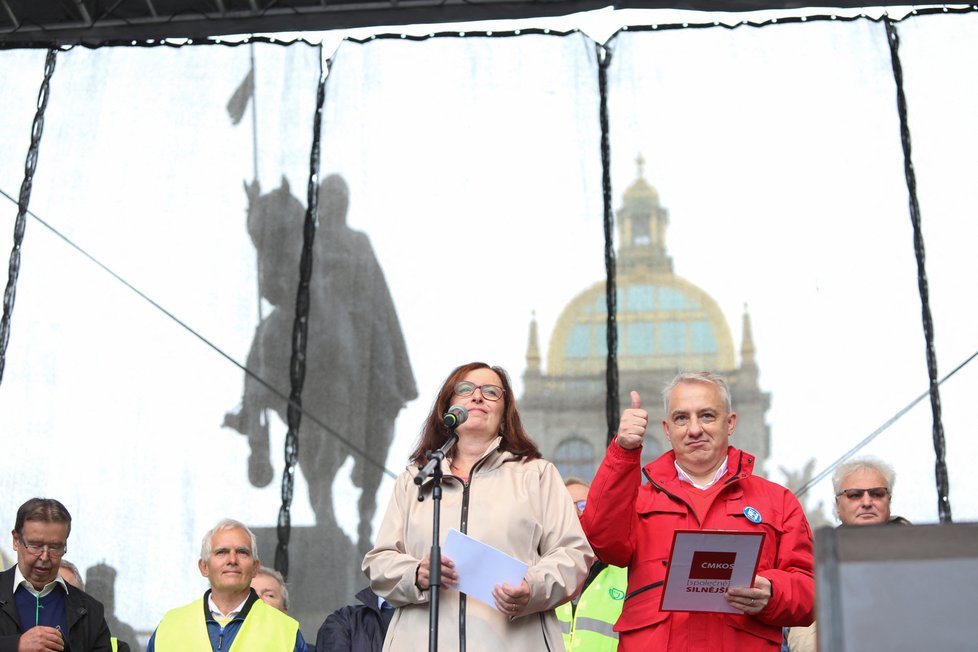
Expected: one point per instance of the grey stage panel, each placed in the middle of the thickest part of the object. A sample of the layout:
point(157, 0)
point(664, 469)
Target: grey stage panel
point(896, 588)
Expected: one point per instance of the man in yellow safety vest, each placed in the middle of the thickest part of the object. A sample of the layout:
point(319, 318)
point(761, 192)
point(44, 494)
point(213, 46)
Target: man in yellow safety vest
point(587, 622)
point(230, 616)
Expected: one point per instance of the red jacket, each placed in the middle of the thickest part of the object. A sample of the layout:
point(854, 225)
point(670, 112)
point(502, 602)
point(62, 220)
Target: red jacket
point(632, 524)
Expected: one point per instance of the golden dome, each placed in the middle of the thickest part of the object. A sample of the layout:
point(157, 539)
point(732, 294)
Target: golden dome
point(664, 321)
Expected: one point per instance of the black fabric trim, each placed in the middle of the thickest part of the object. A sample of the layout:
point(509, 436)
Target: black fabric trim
point(543, 629)
point(592, 574)
point(252, 598)
point(653, 585)
point(48, 38)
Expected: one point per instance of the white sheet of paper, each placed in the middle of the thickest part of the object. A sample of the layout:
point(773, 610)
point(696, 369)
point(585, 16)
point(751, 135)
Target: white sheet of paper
point(480, 567)
point(704, 564)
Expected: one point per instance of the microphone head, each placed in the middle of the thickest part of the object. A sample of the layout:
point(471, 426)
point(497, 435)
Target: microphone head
point(455, 416)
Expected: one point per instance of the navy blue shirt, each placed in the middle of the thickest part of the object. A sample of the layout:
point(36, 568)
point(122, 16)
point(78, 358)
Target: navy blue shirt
point(48, 610)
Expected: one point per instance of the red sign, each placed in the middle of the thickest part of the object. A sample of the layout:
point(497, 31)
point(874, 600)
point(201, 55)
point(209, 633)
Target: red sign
point(712, 565)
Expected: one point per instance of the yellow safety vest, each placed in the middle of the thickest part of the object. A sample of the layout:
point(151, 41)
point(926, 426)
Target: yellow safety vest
point(115, 644)
point(265, 629)
point(590, 627)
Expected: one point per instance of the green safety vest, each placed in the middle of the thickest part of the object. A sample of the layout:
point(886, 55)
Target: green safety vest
point(589, 628)
point(115, 644)
point(266, 629)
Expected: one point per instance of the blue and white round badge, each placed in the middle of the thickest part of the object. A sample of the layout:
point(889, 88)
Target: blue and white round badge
point(752, 515)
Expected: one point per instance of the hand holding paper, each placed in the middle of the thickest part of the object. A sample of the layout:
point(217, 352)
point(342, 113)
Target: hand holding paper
point(751, 600)
point(482, 568)
point(511, 600)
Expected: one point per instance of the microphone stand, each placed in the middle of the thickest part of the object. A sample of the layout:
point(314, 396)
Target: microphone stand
point(433, 468)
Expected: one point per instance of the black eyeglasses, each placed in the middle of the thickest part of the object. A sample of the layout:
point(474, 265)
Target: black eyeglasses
point(489, 392)
point(877, 493)
point(54, 550)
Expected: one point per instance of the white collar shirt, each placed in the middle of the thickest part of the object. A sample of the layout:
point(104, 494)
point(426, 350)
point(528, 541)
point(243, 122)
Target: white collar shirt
point(684, 477)
point(216, 612)
point(20, 580)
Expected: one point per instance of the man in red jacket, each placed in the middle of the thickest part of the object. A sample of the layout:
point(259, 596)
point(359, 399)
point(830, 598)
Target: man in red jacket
point(703, 483)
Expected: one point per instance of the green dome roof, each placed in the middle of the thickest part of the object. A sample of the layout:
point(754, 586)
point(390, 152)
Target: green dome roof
point(664, 322)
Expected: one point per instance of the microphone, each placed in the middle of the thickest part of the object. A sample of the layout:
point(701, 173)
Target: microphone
point(455, 416)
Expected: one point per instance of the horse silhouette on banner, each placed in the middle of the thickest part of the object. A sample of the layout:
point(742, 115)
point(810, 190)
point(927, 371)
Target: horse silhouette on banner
point(358, 375)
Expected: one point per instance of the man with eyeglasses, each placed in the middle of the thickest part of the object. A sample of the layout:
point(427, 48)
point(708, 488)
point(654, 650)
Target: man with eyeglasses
point(587, 622)
point(38, 612)
point(863, 488)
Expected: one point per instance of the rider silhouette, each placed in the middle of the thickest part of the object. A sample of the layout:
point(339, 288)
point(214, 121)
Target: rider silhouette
point(358, 375)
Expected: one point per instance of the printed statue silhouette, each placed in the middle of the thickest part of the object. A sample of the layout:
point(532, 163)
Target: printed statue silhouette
point(358, 375)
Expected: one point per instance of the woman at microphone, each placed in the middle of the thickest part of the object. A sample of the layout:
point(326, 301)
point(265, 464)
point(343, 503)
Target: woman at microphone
point(497, 489)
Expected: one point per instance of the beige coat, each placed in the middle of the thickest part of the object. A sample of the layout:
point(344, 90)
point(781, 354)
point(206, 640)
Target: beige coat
point(802, 639)
point(519, 508)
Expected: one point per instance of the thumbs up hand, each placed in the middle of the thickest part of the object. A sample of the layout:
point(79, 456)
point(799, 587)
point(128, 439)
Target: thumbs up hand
point(634, 421)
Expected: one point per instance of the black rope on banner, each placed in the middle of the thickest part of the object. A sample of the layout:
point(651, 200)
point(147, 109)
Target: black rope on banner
point(300, 330)
point(611, 372)
point(754, 22)
point(20, 224)
point(940, 467)
point(45, 40)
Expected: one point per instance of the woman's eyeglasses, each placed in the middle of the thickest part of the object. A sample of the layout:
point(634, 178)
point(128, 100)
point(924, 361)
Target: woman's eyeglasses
point(877, 493)
point(489, 392)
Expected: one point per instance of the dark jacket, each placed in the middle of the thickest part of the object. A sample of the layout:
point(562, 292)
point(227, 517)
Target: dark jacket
point(87, 631)
point(354, 628)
